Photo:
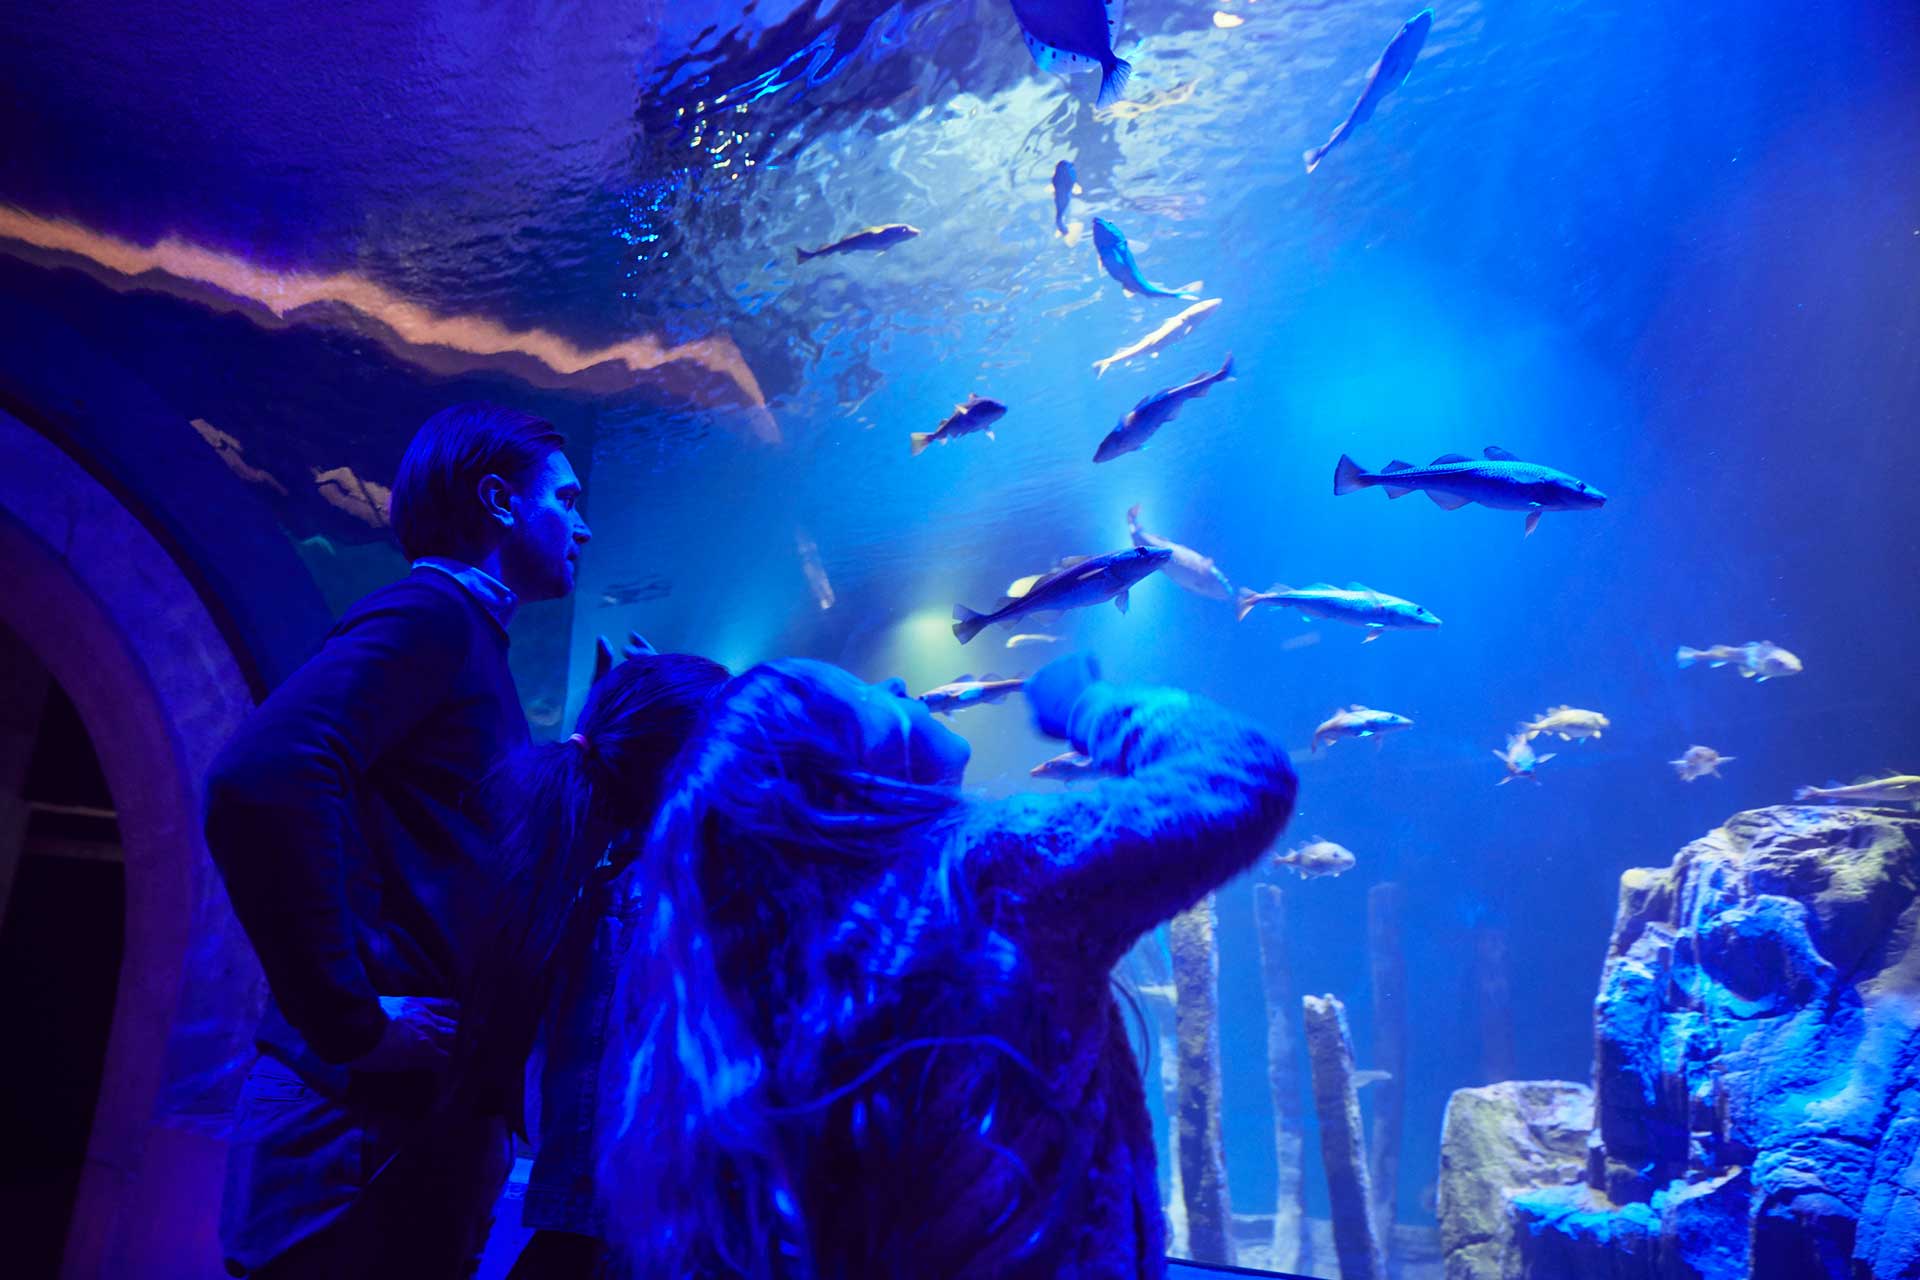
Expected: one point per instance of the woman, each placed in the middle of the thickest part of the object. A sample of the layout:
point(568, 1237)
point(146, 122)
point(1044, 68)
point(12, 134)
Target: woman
point(866, 1028)
point(571, 815)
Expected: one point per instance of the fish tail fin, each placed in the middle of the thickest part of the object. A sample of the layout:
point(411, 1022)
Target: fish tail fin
point(1244, 604)
point(967, 623)
point(1226, 366)
point(1348, 477)
point(920, 440)
point(1313, 156)
point(801, 255)
point(1807, 793)
point(1685, 656)
point(1190, 291)
point(1113, 82)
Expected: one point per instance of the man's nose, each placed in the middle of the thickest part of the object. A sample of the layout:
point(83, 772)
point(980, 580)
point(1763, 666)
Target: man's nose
point(581, 533)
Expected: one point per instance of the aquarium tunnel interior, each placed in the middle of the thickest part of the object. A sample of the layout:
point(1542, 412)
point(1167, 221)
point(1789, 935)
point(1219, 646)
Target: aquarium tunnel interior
point(1608, 1003)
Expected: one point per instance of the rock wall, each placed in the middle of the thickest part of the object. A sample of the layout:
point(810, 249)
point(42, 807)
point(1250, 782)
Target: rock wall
point(1756, 1067)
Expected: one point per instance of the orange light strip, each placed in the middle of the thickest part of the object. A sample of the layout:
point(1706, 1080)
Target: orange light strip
point(415, 332)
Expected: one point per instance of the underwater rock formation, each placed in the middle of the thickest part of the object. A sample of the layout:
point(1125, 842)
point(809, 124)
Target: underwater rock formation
point(1388, 963)
point(1342, 1141)
point(1202, 1158)
point(1289, 1248)
point(1756, 1064)
point(1497, 1141)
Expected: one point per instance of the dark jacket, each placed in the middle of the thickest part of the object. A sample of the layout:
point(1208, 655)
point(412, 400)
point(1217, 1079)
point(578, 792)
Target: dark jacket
point(346, 820)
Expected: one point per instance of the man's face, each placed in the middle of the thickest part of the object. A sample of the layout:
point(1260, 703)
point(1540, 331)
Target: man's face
point(541, 553)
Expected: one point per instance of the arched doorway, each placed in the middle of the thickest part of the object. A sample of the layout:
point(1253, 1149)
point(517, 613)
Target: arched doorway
point(119, 627)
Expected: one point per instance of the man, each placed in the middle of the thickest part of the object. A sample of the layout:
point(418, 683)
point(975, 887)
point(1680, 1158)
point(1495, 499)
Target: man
point(345, 818)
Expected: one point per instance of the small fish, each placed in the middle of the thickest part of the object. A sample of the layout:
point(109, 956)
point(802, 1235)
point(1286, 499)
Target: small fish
point(1068, 766)
point(1117, 258)
point(1356, 604)
point(1079, 582)
point(872, 239)
point(1076, 35)
point(977, 414)
point(1896, 788)
point(1569, 722)
point(636, 591)
point(1357, 722)
point(1155, 412)
point(1188, 568)
point(1027, 639)
point(1167, 334)
point(1520, 759)
point(1064, 182)
point(1498, 480)
point(1698, 762)
point(1361, 1079)
point(1316, 858)
point(1760, 660)
point(1388, 74)
point(957, 695)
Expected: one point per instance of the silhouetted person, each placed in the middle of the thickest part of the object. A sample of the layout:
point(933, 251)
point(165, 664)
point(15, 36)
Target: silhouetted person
point(346, 819)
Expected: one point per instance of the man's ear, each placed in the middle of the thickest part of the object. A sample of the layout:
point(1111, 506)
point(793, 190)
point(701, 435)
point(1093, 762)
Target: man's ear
point(496, 499)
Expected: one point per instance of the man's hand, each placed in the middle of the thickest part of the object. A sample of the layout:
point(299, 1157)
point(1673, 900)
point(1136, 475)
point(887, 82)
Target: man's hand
point(419, 1035)
point(603, 652)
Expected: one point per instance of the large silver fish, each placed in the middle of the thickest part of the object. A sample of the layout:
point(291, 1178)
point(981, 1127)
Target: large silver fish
point(1078, 582)
point(1357, 722)
point(1317, 858)
point(958, 694)
point(1760, 660)
point(1155, 412)
point(1498, 480)
point(1188, 568)
point(1698, 762)
point(870, 239)
point(1166, 335)
point(1355, 604)
point(1386, 75)
point(1897, 788)
point(1520, 759)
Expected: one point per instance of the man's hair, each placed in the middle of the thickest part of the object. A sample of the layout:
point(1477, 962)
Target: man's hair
point(435, 508)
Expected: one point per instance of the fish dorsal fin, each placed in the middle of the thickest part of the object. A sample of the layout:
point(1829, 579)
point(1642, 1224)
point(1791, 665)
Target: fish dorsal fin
point(1021, 586)
point(966, 678)
point(1396, 465)
point(1359, 707)
point(1361, 587)
point(1067, 562)
point(1445, 458)
point(1496, 454)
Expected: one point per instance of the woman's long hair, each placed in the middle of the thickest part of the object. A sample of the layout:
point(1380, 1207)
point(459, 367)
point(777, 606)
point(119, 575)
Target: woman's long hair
point(809, 971)
point(559, 808)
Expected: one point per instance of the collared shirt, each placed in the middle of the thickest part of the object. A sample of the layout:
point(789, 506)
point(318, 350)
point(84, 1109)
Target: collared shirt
point(494, 595)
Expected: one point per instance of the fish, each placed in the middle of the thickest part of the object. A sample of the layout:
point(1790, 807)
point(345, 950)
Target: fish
point(1077, 583)
point(1356, 604)
point(1520, 759)
point(1027, 639)
point(1361, 1079)
point(1316, 858)
point(1167, 334)
point(1064, 182)
point(1357, 721)
point(976, 413)
point(1066, 767)
point(1698, 762)
point(1155, 412)
point(1188, 568)
point(1076, 35)
point(1570, 723)
point(636, 591)
point(965, 691)
point(1386, 75)
point(1895, 788)
point(871, 239)
point(1760, 660)
point(1117, 258)
point(1499, 480)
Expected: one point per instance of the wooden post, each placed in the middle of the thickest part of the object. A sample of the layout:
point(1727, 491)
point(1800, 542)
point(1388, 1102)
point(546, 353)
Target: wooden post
point(1203, 1166)
point(1389, 966)
point(1342, 1141)
point(1152, 975)
point(1283, 1079)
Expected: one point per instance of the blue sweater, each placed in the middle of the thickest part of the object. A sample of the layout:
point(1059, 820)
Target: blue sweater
point(346, 820)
